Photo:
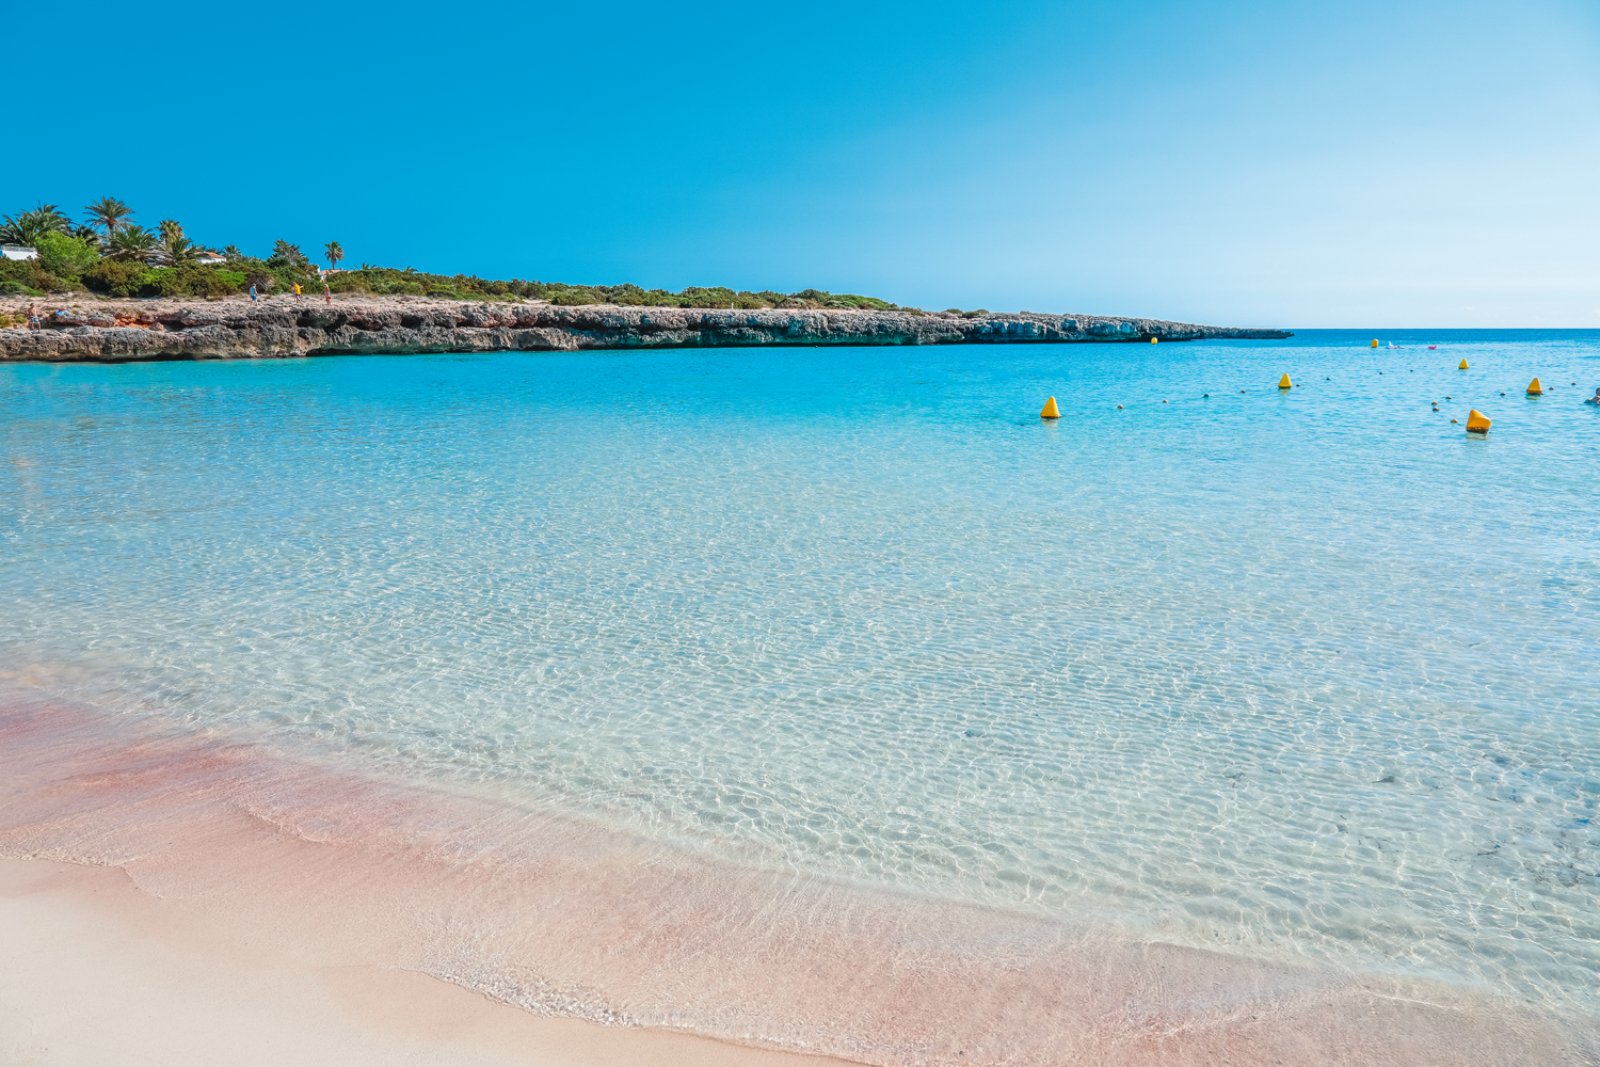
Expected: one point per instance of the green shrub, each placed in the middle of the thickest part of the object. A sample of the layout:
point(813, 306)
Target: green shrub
point(385, 281)
point(17, 277)
point(67, 262)
point(708, 297)
point(221, 281)
point(29, 277)
point(209, 281)
point(120, 277)
point(348, 281)
point(629, 295)
point(823, 299)
point(66, 257)
point(305, 276)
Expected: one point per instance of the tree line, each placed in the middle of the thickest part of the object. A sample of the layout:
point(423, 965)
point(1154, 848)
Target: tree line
point(110, 254)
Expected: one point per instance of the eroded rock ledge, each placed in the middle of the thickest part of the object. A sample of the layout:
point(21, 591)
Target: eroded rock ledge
point(284, 327)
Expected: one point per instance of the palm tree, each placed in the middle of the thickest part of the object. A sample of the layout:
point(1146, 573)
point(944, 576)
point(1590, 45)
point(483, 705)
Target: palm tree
point(169, 229)
point(131, 242)
point(108, 213)
point(176, 248)
point(28, 227)
point(284, 253)
point(232, 252)
point(334, 254)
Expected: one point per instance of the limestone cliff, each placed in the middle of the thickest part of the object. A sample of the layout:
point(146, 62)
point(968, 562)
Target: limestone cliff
point(119, 331)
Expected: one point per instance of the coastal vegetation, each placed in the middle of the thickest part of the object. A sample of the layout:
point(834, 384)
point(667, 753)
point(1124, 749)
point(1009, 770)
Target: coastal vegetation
point(109, 254)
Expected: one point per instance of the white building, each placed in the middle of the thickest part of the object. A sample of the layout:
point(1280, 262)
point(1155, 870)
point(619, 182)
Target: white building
point(18, 252)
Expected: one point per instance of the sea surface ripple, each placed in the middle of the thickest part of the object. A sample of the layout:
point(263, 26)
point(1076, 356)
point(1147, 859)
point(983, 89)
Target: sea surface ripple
point(1303, 674)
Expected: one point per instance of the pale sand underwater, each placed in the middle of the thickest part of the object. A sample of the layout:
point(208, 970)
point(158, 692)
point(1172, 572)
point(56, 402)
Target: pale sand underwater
point(323, 876)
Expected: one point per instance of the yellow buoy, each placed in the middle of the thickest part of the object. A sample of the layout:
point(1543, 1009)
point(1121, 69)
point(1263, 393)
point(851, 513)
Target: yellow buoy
point(1477, 422)
point(1463, 365)
point(1050, 410)
point(1153, 340)
point(1285, 383)
point(1535, 389)
point(1374, 342)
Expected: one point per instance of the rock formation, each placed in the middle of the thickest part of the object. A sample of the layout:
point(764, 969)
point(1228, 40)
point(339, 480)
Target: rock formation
point(120, 331)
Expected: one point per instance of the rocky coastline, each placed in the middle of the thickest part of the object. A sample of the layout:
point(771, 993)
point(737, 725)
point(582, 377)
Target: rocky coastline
point(117, 331)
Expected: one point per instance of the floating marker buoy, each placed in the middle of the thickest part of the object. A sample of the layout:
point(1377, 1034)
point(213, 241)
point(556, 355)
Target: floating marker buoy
point(1463, 365)
point(1374, 342)
point(1477, 422)
point(1433, 348)
point(1119, 407)
point(1535, 389)
point(1285, 383)
point(1153, 340)
point(1050, 410)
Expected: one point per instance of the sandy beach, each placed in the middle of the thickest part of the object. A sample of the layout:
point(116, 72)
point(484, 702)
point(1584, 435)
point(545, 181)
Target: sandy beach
point(270, 911)
point(94, 971)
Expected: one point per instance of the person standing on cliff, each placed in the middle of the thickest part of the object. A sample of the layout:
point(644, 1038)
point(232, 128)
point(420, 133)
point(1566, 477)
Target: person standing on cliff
point(297, 290)
point(327, 294)
point(252, 292)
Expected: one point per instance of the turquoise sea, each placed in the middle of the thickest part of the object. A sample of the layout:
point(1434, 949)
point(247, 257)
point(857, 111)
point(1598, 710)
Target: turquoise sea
point(1305, 675)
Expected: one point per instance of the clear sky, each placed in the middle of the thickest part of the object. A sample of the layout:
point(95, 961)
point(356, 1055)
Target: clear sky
point(1361, 163)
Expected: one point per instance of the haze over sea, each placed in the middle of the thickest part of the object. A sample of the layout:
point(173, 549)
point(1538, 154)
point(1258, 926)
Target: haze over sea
point(1303, 676)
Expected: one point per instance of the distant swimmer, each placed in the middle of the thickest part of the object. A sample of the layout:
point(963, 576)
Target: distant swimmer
point(1595, 400)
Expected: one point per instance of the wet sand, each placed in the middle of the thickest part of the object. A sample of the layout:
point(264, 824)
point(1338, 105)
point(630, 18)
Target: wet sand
point(222, 896)
point(93, 971)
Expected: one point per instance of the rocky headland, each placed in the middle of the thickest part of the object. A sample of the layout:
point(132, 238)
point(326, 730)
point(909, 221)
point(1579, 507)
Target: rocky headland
point(113, 331)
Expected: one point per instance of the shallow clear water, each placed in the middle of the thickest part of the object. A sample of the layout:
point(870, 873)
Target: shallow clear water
point(1302, 675)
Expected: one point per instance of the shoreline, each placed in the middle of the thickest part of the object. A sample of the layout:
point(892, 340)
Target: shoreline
point(100, 330)
point(97, 971)
point(551, 917)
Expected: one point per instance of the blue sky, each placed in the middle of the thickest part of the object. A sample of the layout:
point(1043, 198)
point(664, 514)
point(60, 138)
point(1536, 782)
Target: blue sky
point(1357, 164)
